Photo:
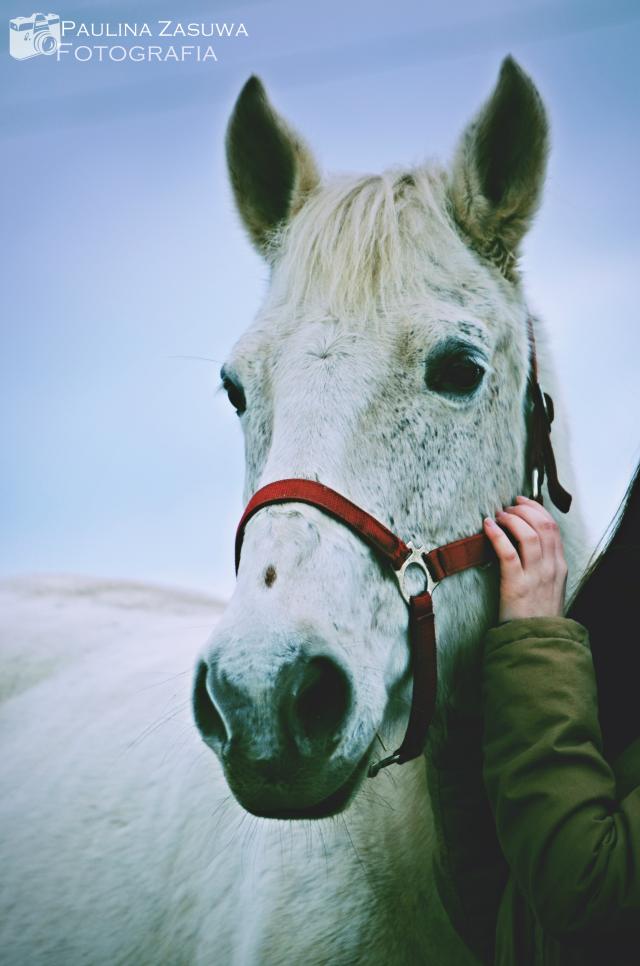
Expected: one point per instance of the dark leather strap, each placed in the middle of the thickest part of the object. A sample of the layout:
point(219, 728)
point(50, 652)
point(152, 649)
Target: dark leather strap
point(541, 455)
point(422, 633)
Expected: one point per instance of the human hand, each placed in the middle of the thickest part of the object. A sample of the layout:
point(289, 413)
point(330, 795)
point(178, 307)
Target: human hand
point(533, 573)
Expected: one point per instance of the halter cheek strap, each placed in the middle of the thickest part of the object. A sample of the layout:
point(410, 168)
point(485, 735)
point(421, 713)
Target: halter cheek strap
point(541, 456)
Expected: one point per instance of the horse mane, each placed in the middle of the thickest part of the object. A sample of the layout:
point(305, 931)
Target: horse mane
point(606, 602)
point(364, 242)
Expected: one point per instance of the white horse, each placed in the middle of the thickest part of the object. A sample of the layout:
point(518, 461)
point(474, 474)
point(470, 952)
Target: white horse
point(390, 362)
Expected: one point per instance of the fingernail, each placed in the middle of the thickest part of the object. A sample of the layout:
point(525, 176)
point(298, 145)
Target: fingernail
point(489, 522)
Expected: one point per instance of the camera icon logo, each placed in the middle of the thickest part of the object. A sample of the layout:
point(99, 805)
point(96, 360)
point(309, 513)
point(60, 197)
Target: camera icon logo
point(34, 35)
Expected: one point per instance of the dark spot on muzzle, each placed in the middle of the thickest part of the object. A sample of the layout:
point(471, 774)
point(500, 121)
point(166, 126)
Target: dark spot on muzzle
point(270, 576)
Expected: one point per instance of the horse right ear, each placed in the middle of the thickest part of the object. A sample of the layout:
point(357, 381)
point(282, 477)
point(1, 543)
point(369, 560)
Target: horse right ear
point(271, 169)
point(499, 168)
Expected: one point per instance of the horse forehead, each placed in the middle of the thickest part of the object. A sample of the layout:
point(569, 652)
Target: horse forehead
point(479, 309)
point(328, 364)
point(336, 342)
point(375, 342)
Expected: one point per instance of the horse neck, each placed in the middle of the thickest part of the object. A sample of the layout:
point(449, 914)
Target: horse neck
point(391, 825)
point(384, 812)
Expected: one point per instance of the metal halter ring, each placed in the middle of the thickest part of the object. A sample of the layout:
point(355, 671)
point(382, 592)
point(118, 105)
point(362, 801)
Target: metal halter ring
point(415, 559)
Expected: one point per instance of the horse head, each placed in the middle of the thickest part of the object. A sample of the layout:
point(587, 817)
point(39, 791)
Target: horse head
point(389, 361)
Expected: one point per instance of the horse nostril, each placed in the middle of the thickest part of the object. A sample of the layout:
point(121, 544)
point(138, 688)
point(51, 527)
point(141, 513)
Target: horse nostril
point(322, 700)
point(209, 722)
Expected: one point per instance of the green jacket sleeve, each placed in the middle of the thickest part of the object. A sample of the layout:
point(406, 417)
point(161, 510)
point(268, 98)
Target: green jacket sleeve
point(573, 848)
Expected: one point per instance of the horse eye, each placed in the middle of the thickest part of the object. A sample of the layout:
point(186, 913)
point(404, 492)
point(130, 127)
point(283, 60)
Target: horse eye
point(235, 394)
point(458, 375)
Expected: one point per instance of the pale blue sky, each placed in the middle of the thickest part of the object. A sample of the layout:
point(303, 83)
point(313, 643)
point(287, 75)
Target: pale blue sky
point(122, 254)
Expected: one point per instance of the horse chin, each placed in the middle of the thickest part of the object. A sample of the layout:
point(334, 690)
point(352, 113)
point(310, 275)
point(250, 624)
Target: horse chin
point(332, 804)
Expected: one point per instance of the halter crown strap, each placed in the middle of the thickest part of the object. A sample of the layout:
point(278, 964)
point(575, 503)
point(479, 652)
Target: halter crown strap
point(439, 563)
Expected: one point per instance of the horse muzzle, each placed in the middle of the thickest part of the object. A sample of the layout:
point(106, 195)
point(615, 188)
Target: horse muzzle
point(282, 737)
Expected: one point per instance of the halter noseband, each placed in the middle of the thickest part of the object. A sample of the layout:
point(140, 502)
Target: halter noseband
point(452, 558)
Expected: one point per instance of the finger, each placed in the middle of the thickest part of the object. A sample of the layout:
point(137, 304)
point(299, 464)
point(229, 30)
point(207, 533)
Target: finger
point(526, 537)
point(534, 506)
point(505, 551)
point(527, 499)
point(544, 525)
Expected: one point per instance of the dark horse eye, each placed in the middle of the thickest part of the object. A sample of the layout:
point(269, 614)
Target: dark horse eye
point(235, 394)
point(456, 374)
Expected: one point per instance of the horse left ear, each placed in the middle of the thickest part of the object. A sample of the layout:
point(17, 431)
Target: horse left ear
point(499, 168)
point(271, 169)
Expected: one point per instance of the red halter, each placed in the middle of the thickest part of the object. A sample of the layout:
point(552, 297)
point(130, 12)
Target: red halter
point(436, 564)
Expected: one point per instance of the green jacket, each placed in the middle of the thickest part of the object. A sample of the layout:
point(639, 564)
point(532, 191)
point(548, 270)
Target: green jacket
point(561, 885)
